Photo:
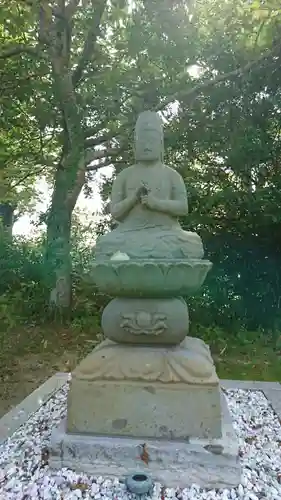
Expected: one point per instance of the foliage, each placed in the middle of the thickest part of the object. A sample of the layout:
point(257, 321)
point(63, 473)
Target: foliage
point(224, 303)
point(77, 86)
point(23, 290)
point(21, 277)
point(24, 149)
point(95, 65)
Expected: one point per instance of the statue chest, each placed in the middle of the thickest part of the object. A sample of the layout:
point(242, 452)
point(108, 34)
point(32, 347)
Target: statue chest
point(157, 183)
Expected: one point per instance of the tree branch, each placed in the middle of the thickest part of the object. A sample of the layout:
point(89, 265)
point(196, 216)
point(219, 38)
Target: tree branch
point(95, 141)
point(35, 3)
point(70, 8)
point(27, 176)
point(98, 166)
point(107, 136)
point(19, 49)
point(221, 78)
point(108, 155)
point(89, 42)
point(91, 156)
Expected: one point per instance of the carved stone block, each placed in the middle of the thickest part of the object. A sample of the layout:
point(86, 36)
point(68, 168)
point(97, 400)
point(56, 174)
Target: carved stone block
point(146, 321)
point(149, 392)
point(210, 463)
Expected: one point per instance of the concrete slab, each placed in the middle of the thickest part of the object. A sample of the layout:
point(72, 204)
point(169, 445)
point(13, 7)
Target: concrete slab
point(271, 390)
point(18, 416)
point(209, 463)
point(250, 385)
point(274, 398)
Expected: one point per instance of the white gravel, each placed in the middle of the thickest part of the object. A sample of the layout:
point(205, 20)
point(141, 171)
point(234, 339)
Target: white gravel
point(25, 475)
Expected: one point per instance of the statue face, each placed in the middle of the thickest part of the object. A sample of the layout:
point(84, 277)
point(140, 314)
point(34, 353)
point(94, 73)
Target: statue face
point(148, 145)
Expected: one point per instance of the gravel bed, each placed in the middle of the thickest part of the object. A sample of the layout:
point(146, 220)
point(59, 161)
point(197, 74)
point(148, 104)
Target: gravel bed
point(25, 474)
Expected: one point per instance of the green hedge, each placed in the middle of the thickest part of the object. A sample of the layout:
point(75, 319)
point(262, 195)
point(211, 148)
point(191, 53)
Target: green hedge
point(240, 293)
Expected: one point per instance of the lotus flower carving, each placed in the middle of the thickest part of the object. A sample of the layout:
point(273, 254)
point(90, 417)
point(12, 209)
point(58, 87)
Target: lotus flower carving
point(144, 323)
point(151, 278)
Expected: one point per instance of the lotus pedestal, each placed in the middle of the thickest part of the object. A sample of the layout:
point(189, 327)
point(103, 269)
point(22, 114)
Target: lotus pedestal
point(148, 398)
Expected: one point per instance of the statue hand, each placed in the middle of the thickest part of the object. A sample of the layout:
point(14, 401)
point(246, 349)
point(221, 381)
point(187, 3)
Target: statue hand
point(140, 192)
point(136, 197)
point(149, 201)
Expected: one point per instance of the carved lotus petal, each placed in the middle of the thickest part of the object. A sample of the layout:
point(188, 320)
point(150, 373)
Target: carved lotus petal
point(150, 278)
point(187, 362)
point(177, 276)
point(146, 271)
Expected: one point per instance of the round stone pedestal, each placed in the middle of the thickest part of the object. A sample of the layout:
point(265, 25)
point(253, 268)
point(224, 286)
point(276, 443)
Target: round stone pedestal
point(146, 321)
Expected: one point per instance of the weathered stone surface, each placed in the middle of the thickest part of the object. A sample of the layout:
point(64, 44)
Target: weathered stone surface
point(146, 392)
point(150, 278)
point(146, 321)
point(189, 362)
point(152, 410)
point(147, 199)
point(173, 463)
point(168, 390)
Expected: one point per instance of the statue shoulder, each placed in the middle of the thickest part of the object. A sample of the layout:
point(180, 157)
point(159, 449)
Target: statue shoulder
point(173, 174)
point(124, 173)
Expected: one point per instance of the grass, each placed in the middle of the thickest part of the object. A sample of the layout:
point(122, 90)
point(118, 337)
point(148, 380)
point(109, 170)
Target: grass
point(251, 363)
point(244, 355)
point(28, 356)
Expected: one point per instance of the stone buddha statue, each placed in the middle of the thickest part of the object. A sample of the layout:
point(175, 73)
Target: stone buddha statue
point(147, 199)
point(148, 365)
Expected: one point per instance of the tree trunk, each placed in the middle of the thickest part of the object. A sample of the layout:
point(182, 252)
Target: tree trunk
point(58, 261)
point(55, 32)
point(58, 258)
point(6, 220)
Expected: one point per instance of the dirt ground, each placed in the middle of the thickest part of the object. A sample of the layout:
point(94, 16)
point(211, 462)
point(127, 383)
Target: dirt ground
point(27, 373)
point(29, 357)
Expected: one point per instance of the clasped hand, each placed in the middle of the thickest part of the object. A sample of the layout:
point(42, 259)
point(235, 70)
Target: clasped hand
point(148, 201)
point(145, 197)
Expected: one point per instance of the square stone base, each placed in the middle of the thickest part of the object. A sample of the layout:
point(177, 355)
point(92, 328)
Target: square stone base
point(135, 409)
point(178, 463)
point(146, 392)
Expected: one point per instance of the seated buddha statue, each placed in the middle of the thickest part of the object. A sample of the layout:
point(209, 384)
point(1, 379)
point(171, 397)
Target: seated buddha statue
point(147, 200)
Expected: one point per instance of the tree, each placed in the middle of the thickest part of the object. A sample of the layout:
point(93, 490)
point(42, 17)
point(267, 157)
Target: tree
point(95, 95)
point(230, 139)
point(24, 149)
point(103, 62)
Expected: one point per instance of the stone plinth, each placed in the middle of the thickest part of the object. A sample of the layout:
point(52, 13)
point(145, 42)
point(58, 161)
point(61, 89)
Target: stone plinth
point(148, 392)
point(210, 463)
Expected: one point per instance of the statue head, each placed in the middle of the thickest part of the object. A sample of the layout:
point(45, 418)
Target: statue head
point(149, 142)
